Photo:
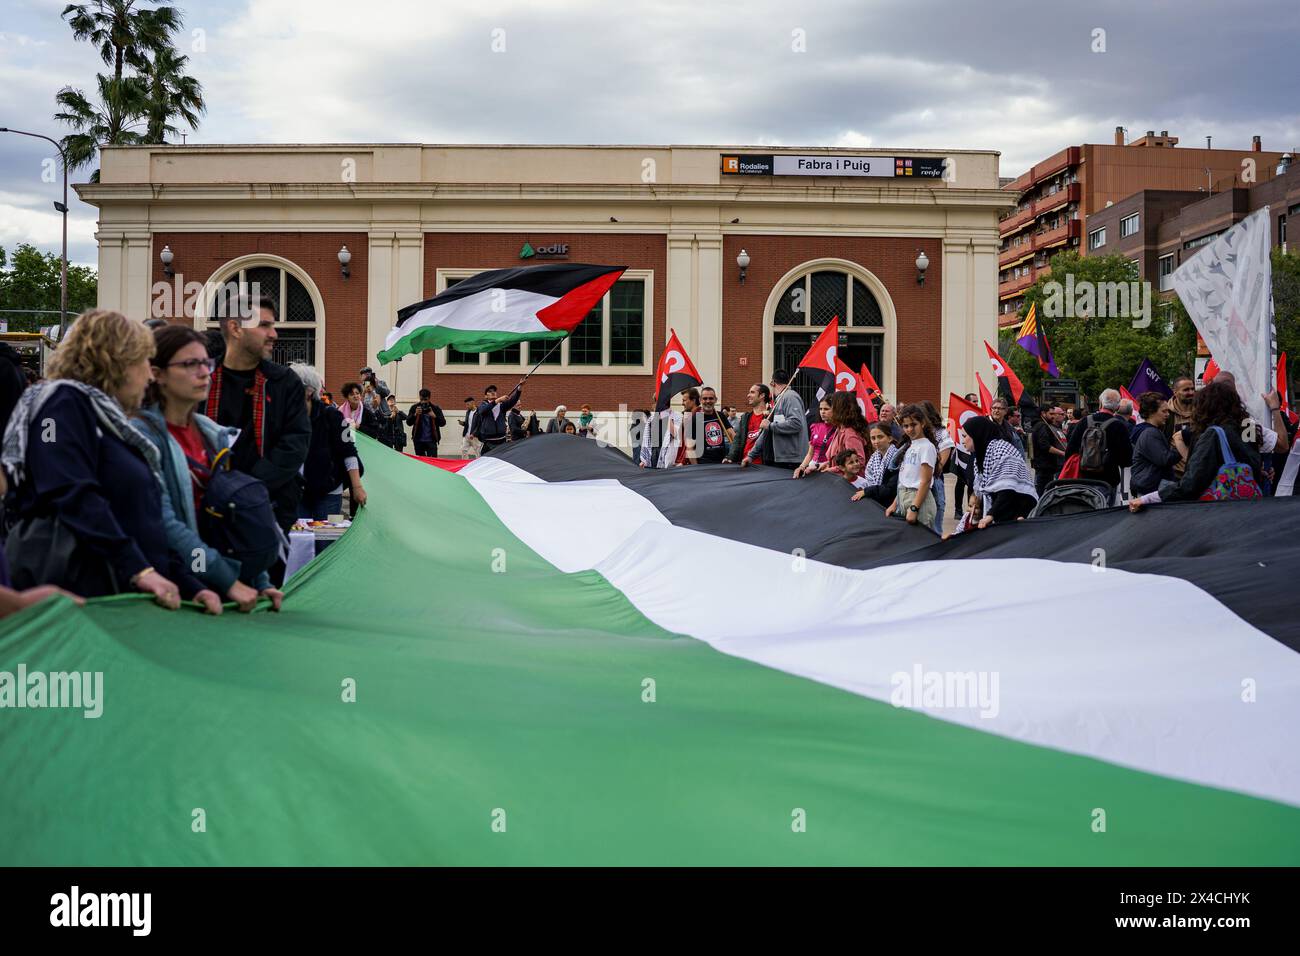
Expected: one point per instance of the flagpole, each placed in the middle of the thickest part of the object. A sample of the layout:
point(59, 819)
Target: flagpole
point(539, 362)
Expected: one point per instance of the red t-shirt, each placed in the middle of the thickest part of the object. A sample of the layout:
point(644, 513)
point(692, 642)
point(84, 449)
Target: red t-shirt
point(752, 433)
point(191, 443)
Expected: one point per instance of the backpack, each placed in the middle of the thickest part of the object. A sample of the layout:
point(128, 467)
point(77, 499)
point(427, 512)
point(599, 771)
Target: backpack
point(1092, 450)
point(1234, 480)
point(236, 518)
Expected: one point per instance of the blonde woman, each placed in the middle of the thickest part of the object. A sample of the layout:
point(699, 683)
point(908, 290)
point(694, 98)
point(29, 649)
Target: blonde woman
point(88, 492)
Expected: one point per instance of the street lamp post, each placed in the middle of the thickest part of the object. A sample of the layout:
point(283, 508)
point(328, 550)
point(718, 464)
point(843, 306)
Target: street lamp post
point(62, 207)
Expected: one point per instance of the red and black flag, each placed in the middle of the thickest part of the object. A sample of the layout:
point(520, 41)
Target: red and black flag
point(820, 359)
point(1005, 375)
point(674, 373)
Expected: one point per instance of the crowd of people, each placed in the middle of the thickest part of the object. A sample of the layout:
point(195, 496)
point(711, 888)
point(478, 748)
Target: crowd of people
point(1196, 445)
point(155, 459)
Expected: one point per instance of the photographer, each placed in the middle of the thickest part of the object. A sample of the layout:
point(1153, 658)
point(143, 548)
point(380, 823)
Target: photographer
point(374, 392)
point(427, 423)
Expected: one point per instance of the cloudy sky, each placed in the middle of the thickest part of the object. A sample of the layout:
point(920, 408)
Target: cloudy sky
point(1021, 78)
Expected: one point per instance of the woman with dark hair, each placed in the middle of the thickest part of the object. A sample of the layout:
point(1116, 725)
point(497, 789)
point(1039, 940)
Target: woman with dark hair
point(1001, 475)
point(1217, 417)
point(89, 503)
point(182, 376)
point(850, 429)
point(1153, 457)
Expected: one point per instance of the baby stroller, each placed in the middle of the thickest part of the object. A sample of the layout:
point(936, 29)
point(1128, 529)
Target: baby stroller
point(1070, 496)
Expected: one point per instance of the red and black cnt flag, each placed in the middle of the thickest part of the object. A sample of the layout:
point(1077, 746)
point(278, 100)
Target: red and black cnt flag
point(674, 373)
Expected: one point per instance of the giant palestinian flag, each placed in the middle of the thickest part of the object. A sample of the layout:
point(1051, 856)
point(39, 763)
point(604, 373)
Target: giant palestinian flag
point(501, 307)
point(551, 656)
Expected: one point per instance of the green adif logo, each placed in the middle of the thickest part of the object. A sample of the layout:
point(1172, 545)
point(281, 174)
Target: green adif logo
point(556, 250)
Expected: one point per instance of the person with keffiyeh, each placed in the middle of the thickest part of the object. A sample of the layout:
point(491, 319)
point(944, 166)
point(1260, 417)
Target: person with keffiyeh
point(87, 482)
point(1002, 477)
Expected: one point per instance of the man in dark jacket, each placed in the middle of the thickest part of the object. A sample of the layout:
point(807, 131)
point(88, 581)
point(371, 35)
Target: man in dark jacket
point(1049, 446)
point(490, 426)
point(427, 423)
point(12, 382)
point(265, 402)
point(1118, 452)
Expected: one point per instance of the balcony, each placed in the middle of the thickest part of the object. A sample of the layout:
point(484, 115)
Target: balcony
point(1015, 254)
point(1058, 236)
point(1016, 221)
point(1059, 198)
point(1015, 286)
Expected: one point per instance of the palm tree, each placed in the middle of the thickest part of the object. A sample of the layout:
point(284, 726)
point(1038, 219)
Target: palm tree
point(123, 32)
point(112, 121)
point(171, 94)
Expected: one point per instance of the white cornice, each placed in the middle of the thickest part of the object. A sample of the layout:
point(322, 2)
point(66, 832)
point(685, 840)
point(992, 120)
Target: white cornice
point(101, 193)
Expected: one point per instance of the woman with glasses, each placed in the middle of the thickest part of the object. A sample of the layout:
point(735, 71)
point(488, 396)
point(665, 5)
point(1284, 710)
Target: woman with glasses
point(87, 480)
point(182, 376)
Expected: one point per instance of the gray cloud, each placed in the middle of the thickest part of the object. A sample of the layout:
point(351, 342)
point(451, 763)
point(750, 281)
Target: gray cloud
point(1019, 77)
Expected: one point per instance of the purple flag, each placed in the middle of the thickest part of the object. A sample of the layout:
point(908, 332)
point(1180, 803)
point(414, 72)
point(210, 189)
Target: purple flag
point(1147, 379)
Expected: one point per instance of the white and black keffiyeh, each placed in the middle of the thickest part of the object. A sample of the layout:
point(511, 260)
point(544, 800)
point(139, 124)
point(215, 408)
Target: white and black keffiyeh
point(1004, 469)
point(878, 463)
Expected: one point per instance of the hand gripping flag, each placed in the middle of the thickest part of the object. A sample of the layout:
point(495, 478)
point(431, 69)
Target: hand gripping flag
point(847, 381)
point(1003, 372)
point(674, 373)
point(1147, 379)
point(501, 307)
point(1033, 340)
point(820, 359)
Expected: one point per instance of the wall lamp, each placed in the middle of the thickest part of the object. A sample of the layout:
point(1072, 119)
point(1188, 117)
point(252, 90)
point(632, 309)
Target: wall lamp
point(742, 260)
point(167, 256)
point(345, 257)
point(922, 263)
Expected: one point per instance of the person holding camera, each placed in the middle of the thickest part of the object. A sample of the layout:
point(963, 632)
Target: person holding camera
point(374, 393)
point(427, 423)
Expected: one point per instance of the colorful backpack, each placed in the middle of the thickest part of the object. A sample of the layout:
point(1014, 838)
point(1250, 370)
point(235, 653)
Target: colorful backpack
point(1234, 480)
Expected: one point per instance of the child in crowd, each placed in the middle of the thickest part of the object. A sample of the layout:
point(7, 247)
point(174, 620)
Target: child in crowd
point(916, 474)
point(972, 519)
point(850, 464)
point(819, 439)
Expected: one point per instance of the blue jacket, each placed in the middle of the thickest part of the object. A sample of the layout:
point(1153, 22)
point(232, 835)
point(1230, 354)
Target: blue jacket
point(179, 520)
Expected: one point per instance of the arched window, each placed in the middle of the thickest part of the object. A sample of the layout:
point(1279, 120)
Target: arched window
point(808, 303)
point(301, 325)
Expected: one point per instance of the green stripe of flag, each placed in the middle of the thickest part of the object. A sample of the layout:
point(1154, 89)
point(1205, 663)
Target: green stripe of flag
point(466, 340)
point(520, 698)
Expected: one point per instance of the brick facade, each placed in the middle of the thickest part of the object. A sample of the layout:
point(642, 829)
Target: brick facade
point(546, 390)
point(199, 254)
point(891, 260)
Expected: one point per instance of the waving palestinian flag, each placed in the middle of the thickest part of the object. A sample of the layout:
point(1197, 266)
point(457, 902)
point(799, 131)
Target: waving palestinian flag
point(501, 307)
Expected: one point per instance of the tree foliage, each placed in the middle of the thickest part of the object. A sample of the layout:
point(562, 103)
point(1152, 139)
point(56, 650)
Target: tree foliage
point(29, 280)
point(148, 89)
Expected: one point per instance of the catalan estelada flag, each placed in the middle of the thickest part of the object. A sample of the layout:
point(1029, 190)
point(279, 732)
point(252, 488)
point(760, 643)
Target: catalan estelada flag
point(1032, 339)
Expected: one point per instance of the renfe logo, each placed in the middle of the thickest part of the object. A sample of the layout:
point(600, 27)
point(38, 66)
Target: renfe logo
point(102, 909)
point(556, 250)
